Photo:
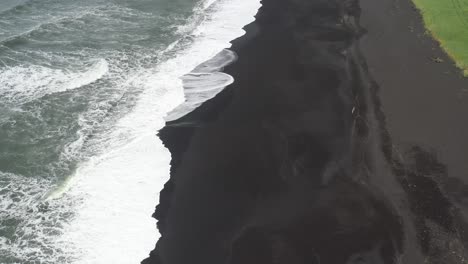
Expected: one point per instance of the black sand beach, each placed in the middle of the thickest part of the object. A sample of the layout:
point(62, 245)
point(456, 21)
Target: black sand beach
point(340, 141)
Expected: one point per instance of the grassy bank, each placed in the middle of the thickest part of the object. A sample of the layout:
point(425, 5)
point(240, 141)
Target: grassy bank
point(447, 20)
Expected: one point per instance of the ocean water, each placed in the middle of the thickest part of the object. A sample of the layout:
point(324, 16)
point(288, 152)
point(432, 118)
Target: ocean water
point(84, 87)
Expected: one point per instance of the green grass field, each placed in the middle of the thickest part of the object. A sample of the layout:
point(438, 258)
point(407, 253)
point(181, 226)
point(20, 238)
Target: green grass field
point(447, 20)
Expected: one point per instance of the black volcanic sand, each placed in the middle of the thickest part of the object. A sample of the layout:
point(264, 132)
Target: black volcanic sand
point(340, 141)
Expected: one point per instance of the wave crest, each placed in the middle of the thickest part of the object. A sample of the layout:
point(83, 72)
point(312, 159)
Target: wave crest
point(22, 84)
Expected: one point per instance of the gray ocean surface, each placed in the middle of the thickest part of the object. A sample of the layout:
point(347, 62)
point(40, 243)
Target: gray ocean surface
point(68, 73)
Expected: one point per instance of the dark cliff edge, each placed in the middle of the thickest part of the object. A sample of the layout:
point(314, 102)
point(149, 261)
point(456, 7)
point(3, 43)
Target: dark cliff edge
point(295, 162)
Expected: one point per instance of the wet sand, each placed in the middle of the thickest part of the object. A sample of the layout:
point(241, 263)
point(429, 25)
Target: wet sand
point(340, 141)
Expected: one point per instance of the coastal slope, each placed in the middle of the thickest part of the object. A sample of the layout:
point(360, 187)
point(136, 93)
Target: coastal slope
point(297, 162)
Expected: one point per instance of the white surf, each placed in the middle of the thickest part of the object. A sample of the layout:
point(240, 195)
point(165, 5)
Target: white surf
point(115, 193)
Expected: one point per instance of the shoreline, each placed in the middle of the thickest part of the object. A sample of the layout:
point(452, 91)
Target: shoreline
point(301, 157)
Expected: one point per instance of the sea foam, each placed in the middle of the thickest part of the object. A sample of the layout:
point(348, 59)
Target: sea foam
point(118, 190)
point(102, 214)
point(203, 83)
point(21, 84)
